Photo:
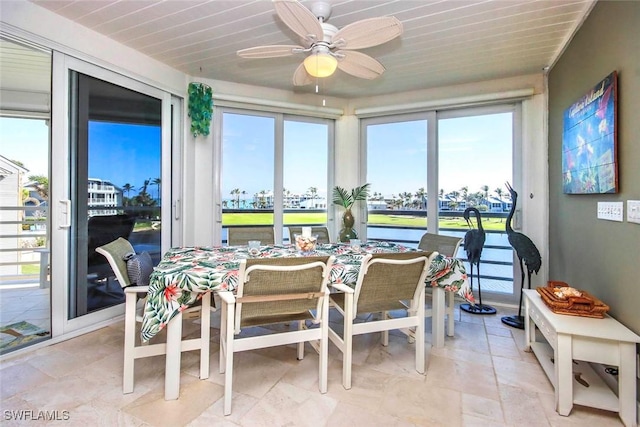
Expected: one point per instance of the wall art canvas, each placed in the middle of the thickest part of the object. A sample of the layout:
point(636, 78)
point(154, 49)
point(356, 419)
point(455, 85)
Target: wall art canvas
point(589, 141)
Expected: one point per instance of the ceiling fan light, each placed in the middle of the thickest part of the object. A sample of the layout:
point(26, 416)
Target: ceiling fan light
point(320, 64)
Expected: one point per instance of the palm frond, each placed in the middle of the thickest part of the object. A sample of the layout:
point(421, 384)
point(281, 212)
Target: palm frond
point(342, 197)
point(360, 193)
point(346, 199)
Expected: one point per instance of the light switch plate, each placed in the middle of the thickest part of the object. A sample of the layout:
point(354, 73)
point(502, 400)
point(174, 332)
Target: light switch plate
point(611, 211)
point(633, 211)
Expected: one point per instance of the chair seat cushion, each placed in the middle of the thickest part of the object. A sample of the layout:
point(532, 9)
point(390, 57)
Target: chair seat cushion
point(139, 268)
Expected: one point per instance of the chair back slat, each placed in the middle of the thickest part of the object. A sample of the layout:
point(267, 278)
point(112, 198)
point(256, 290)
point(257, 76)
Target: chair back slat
point(445, 245)
point(271, 289)
point(241, 235)
point(387, 279)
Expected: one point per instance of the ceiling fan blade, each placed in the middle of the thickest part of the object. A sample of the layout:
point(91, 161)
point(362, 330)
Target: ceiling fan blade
point(301, 77)
point(359, 65)
point(298, 18)
point(368, 32)
point(273, 51)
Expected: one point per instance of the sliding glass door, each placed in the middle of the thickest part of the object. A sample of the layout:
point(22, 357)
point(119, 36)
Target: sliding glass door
point(113, 170)
point(426, 168)
point(116, 150)
point(274, 171)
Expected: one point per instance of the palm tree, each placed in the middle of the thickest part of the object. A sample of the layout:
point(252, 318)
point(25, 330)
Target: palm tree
point(157, 182)
point(127, 188)
point(244, 198)
point(235, 194)
point(313, 191)
point(421, 195)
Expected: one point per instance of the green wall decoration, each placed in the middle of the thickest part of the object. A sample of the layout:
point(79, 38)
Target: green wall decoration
point(200, 108)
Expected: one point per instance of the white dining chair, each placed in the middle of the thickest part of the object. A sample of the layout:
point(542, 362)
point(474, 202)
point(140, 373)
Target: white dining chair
point(135, 297)
point(447, 246)
point(386, 282)
point(276, 291)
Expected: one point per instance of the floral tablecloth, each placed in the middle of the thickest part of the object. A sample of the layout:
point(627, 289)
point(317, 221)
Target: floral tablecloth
point(184, 273)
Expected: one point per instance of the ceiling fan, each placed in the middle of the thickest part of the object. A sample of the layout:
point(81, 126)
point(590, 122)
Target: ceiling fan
point(326, 46)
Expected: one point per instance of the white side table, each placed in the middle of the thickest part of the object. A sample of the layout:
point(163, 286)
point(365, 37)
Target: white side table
point(583, 339)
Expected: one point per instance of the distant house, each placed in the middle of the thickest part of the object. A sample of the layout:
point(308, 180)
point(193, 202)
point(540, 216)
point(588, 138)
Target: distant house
point(104, 197)
point(313, 203)
point(373, 205)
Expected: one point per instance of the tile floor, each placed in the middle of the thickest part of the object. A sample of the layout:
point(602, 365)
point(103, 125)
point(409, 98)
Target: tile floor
point(31, 304)
point(482, 377)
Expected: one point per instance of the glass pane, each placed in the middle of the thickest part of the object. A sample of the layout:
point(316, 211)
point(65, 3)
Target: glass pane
point(305, 174)
point(116, 184)
point(247, 171)
point(397, 172)
point(483, 146)
point(24, 237)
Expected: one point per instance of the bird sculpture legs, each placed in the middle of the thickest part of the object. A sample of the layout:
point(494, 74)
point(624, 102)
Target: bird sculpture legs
point(477, 308)
point(518, 321)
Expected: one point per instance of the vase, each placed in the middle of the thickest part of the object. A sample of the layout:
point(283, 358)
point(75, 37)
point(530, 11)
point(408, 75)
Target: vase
point(347, 232)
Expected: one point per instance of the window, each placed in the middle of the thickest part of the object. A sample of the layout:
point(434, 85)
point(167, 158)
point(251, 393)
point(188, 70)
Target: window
point(426, 168)
point(274, 170)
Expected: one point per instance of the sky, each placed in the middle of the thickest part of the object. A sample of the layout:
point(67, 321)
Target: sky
point(474, 151)
point(26, 141)
point(470, 147)
point(125, 154)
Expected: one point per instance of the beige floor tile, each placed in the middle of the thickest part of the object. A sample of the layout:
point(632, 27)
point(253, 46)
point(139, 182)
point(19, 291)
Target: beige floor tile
point(21, 378)
point(481, 407)
point(286, 404)
point(522, 407)
point(504, 347)
point(195, 397)
point(465, 377)
point(355, 416)
point(482, 377)
point(523, 375)
point(421, 403)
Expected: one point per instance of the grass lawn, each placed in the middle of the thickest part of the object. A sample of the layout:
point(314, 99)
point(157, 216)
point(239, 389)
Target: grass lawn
point(495, 224)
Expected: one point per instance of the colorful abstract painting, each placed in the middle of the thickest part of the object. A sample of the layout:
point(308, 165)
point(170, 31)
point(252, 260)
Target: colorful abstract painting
point(589, 141)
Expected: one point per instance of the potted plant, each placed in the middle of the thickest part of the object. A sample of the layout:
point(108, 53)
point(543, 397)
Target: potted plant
point(346, 199)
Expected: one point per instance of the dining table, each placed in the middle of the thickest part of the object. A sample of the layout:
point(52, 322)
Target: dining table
point(185, 273)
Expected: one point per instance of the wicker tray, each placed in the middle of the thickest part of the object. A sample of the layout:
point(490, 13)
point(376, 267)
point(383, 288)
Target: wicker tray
point(587, 305)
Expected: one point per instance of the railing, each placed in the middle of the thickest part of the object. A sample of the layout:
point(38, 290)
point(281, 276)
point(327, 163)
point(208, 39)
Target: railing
point(496, 266)
point(23, 245)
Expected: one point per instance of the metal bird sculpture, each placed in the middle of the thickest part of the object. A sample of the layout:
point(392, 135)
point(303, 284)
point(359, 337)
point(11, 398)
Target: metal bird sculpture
point(528, 255)
point(473, 245)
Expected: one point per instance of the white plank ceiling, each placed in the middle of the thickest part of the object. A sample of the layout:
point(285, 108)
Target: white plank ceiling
point(444, 42)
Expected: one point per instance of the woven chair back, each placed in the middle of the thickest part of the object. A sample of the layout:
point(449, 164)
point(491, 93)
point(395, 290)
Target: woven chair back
point(445, 245)
point(387, 282)
point(241, 235)
point(274, 290)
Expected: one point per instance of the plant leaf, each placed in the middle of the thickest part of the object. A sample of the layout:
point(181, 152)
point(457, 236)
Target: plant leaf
point(360, 193)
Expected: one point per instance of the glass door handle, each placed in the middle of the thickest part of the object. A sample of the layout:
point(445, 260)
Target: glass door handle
point(64, 211)
point(176, 210)
point(219, 213)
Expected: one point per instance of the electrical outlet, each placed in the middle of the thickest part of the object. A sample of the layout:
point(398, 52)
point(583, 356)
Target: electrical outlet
point(611, 211)
point(633, 211)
